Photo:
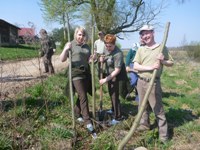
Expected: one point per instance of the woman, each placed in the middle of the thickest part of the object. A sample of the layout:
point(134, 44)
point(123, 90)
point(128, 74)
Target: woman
point(115, 71)
point(80, 73)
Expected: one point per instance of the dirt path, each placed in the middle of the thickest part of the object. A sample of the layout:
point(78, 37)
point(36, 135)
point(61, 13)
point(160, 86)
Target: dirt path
point(15, 76)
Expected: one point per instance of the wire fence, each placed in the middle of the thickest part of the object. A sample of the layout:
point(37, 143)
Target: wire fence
point(18, 75)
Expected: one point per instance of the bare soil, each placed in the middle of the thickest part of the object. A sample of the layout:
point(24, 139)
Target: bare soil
point(15, 76)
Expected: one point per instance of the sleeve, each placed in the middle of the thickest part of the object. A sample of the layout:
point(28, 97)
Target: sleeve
point(137, 57)
point(167, 54)
point(118, 62)
point(95, 46)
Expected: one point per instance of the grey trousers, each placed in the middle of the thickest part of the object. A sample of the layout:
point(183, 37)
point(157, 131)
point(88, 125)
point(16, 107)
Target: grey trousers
point(155, 103)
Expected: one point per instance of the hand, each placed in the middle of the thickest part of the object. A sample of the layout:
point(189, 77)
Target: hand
point(67, 46)
point(102, 81)
point(101, 58)
point(156, 65)
point(160, 57)
point(92, 58)
point(128, 69)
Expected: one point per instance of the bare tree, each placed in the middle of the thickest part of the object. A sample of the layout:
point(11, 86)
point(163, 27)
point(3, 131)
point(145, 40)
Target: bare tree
point(111, 16)
point(116, 16)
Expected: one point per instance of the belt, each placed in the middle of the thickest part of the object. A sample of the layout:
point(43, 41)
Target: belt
point(148, 79)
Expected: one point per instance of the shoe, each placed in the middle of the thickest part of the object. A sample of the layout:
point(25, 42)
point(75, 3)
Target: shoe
point(91, 130)
point(90, 127)
point(80, 120)
point(142, 128)
point(114, 122)
point(110, 111)
point(94, 135)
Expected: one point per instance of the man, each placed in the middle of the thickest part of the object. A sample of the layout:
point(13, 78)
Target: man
point(99, 46)
point(47, 50)
point(147, 59)
point(99, 49)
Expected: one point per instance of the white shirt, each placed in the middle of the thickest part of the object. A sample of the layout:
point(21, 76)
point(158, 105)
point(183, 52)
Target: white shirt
point(99, 46)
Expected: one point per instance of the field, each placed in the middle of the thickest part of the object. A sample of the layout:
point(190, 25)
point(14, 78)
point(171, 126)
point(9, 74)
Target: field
point(39, 116)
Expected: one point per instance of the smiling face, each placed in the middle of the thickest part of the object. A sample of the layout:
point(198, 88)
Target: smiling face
point(147, 37)
point(80, 37)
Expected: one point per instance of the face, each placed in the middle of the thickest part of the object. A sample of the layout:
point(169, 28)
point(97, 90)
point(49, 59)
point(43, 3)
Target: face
point(147, 37)
point(101, 35)
point(110, 47)
point(80, 37)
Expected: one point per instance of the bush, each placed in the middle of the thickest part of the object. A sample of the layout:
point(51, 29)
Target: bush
point(193, 52)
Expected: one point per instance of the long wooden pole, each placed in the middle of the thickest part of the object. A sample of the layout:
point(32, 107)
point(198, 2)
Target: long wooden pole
point(70, 85)
point(93, 74)
point(144, 102)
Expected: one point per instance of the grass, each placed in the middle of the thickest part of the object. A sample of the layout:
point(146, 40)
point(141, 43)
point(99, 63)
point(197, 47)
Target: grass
point(40, 116)
point(20, 52)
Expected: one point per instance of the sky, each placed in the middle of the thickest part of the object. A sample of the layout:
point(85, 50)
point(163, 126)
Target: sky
point(184, 21)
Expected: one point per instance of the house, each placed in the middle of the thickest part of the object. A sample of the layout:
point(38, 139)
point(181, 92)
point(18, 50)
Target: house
point(8, 33)
point(26, 35)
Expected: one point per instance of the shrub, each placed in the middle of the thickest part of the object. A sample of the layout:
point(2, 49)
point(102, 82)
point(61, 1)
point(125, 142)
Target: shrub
point(193, 51)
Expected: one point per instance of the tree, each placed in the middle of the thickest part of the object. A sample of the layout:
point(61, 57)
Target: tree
point(58, 11)
point(57, 35)
point(116, 16)
point(111, 16)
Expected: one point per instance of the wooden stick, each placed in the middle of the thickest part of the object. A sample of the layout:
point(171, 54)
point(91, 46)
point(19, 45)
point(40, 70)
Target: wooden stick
point(93, 75)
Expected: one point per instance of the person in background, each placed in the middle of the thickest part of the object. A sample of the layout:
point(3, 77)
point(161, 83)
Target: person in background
point(147, 59)
point(81, 75)
point(46, 51)
point(115, 71)
point(133, 77)
point(99, 49)
point(99, 46)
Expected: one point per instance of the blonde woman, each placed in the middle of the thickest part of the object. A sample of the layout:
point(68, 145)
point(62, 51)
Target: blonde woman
point(81, 80)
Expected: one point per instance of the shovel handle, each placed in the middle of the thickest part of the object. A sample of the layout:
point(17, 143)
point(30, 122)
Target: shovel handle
point(101, 86)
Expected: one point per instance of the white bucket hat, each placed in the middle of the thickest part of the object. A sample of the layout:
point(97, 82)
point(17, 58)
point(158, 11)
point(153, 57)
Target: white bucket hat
point(146, 28)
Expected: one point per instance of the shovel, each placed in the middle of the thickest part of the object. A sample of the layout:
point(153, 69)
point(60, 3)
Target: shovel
point(101, 113)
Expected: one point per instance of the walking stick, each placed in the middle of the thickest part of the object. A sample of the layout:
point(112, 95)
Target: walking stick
point(144, 102)
point(93, 78)
point(71, 89)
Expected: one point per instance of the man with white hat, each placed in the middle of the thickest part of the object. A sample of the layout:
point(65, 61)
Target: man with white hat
point(147, 59)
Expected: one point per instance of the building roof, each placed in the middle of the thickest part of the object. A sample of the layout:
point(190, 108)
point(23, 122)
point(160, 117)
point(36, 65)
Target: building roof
point(26, 31)
point(3, 21)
